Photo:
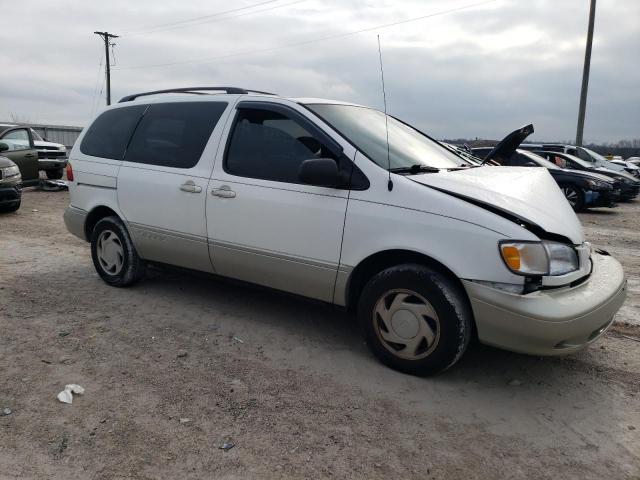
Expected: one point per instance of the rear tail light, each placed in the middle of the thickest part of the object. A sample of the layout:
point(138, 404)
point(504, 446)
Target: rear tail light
point(69, 172)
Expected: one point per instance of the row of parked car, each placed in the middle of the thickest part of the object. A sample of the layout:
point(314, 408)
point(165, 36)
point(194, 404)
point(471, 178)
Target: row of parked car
point(586, 178)
point(23, 154)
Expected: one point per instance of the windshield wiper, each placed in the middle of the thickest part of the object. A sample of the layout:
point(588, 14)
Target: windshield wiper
point(463, 167)
point(414, 169)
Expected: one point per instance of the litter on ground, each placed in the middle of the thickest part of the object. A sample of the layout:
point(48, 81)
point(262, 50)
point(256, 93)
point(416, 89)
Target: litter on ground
point(66, 396)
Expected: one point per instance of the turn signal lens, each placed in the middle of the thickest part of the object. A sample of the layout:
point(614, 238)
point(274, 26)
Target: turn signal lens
point(511, 256)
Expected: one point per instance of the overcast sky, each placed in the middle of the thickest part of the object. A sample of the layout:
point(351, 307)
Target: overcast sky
point(476, 72)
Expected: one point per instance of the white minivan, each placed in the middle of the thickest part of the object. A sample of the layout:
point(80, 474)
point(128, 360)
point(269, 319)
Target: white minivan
point(309, 197)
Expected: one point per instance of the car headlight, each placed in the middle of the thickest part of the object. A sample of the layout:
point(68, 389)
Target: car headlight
point(10, 171)
point(539, 258)
point(598, 184)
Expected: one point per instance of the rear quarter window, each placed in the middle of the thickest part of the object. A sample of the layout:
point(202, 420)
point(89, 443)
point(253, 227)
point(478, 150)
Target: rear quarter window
point(174, 134)
point(108, 135)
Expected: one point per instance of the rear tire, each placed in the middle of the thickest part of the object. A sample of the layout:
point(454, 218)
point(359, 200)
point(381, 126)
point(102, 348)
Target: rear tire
point(55, 174)
point(415, 319)
point(114, 256)
point(575, 197)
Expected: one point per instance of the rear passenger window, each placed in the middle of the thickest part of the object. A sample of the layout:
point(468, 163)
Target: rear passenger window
point(270, 146)
point(174, 134)
point(109, 134)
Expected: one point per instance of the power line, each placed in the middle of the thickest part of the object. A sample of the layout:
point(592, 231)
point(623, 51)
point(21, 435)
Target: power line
point(222, 19)
point(113, 54)
point(178, 24)
point(100, 94)
point(95, 90)
point(316, 40)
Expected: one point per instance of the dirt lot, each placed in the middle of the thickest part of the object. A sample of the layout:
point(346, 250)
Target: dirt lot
point(288, 381)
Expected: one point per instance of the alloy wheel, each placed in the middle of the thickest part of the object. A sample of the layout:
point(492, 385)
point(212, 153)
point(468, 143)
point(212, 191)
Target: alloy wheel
point(571, 195)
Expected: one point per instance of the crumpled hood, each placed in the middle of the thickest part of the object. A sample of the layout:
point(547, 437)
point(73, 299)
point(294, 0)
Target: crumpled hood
point(529, 193)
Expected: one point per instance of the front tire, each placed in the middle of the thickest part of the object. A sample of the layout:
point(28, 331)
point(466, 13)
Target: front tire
point(55, 174)
point(415, 319)
point(114, 256)
point(575, 197)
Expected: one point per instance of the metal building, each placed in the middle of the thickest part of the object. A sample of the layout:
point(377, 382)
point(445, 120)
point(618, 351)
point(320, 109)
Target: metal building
point(64, 134)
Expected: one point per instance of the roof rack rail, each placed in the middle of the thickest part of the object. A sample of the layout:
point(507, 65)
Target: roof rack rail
point(195, 91)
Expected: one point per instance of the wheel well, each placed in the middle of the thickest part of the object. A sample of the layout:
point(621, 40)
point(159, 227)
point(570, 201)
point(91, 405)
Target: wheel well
point(94, 217)
point(380, 261)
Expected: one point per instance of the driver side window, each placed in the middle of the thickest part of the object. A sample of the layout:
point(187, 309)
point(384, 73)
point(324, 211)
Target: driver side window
point(17, 139)
point(270, 146)
point(561, 162)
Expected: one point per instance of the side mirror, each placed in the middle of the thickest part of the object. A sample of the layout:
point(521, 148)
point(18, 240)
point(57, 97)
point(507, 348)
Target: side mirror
point(3, 147)
point(322, 172)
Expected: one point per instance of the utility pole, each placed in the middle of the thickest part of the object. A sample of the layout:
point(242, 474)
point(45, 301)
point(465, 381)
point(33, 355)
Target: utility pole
point(585, 75)
point(106, 36)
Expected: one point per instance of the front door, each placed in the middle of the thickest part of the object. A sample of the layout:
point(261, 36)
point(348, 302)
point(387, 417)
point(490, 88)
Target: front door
point(162, 183)
point(264, 225)
point(22, 153)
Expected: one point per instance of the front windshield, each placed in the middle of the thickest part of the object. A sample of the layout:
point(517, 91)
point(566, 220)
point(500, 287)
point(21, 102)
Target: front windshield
point(365, 128)
point(594, 155)
point(35, 135)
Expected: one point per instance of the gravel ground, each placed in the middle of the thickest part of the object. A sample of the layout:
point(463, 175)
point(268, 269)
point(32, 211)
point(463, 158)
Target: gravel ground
point(180, 364)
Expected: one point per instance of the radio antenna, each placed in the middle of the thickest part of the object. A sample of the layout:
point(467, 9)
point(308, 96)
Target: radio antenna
point(386, 119)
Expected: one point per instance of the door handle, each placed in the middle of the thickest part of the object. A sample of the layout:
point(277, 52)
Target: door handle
point(29, 155)
point(190, 187)
point(224, 192)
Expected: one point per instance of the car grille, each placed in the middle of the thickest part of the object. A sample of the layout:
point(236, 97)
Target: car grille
point(52, 154)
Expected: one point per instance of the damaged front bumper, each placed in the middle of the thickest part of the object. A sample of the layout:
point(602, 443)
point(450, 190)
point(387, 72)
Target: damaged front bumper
point(554, 321)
